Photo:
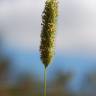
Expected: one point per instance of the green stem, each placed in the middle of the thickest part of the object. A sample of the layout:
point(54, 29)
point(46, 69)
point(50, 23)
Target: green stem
point(45, 81)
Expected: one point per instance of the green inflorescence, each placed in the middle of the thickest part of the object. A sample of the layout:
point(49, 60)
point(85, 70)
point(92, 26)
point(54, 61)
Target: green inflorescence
point(49, 20)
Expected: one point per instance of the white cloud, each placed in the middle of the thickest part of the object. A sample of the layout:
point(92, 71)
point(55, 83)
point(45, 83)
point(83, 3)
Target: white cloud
point(76, 28)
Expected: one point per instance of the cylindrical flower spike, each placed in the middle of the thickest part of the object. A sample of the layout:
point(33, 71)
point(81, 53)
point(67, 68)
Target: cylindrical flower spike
point(49, 20)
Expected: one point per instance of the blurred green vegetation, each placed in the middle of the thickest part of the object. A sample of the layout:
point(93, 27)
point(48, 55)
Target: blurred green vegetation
point(28, 85)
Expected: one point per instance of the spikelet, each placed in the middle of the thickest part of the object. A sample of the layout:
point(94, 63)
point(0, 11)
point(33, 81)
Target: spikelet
point(48, 32)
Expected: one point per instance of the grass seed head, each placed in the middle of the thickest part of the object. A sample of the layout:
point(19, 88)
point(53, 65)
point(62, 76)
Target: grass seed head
point(48, 32)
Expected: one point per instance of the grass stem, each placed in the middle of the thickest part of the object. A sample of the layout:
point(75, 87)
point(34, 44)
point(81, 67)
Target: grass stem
point(45, 88)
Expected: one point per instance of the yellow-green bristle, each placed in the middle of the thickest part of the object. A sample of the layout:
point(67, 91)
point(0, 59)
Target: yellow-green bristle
point(49, 20)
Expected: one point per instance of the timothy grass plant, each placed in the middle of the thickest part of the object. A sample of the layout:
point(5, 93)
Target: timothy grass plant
point(48, 32)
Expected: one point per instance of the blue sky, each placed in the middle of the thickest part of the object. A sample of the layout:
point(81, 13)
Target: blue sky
point(29, 62)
